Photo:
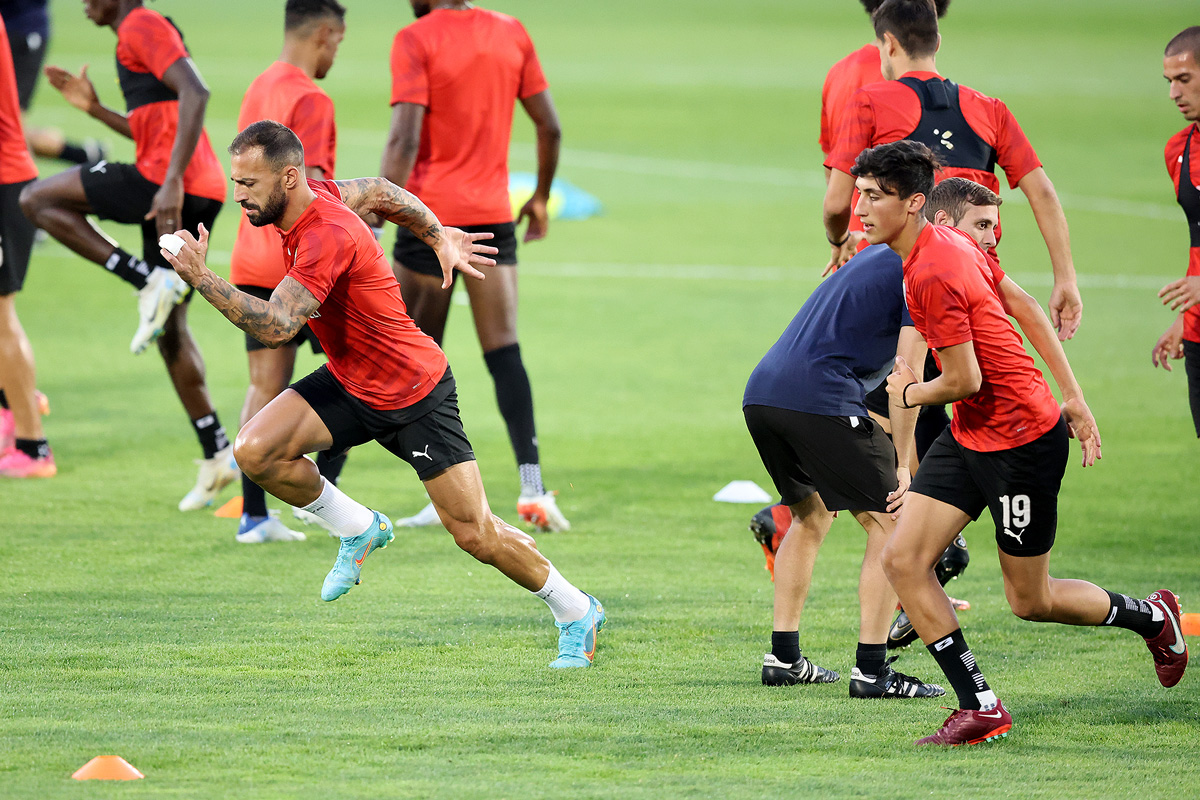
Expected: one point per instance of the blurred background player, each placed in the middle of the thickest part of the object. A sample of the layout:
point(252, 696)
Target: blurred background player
point(456, 74)
point(28, 23)
point(24, 452)
point(1181, 68)
point(286, 93)
point(970, 132)
point(176, 183)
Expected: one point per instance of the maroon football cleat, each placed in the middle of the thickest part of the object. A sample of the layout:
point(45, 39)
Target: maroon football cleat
point(1168, 647)
point(967, 726)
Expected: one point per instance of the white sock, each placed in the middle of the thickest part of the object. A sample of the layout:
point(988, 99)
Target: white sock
point(346, 517)
point(567, 603)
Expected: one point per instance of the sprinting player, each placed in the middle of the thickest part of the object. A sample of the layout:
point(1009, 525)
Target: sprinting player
point(28, 23)
point(286, 93)
point(1006, 449)
point(24, 451)
point(970, 132)
point(456, 74)
point(804, 407)
point(385, 380)
point(175, 183)
point(1181, 68)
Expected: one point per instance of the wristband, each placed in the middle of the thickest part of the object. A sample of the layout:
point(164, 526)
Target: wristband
point(845, 239)
point(904, 395)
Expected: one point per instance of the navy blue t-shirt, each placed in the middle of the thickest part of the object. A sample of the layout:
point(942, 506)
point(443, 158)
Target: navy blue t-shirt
point(23, 17)
point(841, 343)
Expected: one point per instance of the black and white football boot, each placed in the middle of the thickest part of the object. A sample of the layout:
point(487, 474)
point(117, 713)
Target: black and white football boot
point(777, 673)
point(889, 683)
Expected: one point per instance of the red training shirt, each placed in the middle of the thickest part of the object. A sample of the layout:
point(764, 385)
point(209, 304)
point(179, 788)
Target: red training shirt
point(951, 289)
point(16, 165)
point(375, 350)
point(467, 68)
point(148, 44)
point(286, 94)
point(841, 82)
point(1174, 157)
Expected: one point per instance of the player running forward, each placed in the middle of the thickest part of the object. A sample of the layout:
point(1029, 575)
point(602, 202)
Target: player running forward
point(804, 408)
point(456, 74)
point(286, 93)
point(175, 183)
point(1006, 449)
point(385, 380)
point(970, 132)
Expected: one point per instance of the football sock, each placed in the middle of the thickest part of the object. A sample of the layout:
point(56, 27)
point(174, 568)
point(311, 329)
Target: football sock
point(567, 603)
point(531, 480)
point(329, 466)
point(869, 658)
point(211, 434)
point(958, 662)
point(34, 448)
point(347, 517)
point(128, 268)
point(74, 154)
point(3, 400)
point(254, 499)
point(785, 646)
point(515, 399)
point(1133, 614)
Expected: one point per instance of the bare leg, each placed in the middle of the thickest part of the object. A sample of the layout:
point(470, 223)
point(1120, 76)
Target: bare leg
point(457, 494)
point(494, 307)
point(184, 363)
point(427, 302)
point(59, 206)
point(17, 371)
point(270, 449)
point(876, 598)
point(270, 373)
point(796, 558)
point(1034, 595)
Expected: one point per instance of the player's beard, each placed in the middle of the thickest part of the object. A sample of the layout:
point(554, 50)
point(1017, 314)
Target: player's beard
point(272, 210)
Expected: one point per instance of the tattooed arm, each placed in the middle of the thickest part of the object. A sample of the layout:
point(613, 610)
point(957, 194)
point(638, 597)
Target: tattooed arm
point(274, 322)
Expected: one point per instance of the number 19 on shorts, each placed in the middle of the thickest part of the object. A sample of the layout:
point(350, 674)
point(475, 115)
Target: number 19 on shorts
point(1017, 510)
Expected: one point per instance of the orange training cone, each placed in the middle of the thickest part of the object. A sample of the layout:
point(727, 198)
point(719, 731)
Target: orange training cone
point(107, 768)
point(231, 510)
point(1190, 624)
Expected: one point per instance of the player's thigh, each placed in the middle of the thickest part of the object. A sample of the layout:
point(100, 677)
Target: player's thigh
point(494, 307)
point(285, 429)
point(1026, 580)
point(925, 528)
point(62, 190)
point(426, 301)
point(271, 369)
point(458, 495)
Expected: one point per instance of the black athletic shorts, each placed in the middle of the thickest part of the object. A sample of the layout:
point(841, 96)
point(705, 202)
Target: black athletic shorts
point(849, 461)
point(1020, 486)
point(305, 334)
point(120, 193)
point(1191, 365)
point(28, 53)
point(428, 434)
point(414, 254)
point(16, 238)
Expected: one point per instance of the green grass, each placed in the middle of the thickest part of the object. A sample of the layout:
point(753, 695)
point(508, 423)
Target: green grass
point(129, 628)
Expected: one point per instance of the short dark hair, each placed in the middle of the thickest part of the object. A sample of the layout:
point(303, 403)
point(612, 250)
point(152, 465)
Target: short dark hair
point(940, 6)
point(299, 13)
point(913, 23)
point(281, 148)
point(953, 195)
point(1186, 41)
point(902, 168)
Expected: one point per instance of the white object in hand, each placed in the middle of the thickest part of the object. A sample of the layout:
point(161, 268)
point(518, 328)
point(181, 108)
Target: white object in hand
point(171, 243)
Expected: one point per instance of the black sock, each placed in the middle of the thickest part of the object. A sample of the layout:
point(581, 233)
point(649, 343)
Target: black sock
point(34, 448)
point(1132, 614)
point(785, 645)
point(210, 433)
point(956, 660)
point(330, 467)
point(254, 499)
point(3, 400)
point(869, 658)
point(74, 154)
point(128, 268)
point(515, 398)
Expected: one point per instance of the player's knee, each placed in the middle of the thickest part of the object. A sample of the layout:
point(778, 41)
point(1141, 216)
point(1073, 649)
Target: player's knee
point(477, 538)
point(1033, 609)
point(33, 200)
point(252, 453)
point(896, 561)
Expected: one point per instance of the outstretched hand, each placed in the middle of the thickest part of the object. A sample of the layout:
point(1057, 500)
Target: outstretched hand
point(1082, 426)
point(189, 264)
point(461, 251)
point(76, 89)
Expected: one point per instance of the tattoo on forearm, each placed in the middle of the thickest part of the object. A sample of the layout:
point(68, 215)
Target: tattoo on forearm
point(381, 196)
point(272, 323)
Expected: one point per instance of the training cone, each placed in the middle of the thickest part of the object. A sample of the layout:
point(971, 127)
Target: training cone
point(1189, 624)
point(107, 768)
point(231, 510)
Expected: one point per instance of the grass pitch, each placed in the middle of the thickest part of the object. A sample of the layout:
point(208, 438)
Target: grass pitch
point(129, 628)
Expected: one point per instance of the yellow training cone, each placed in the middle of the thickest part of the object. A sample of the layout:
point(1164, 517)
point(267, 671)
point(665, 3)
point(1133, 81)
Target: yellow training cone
point(107, 768)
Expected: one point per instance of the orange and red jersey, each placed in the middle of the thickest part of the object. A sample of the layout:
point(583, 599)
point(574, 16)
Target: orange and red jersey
point(147, 45)
point(375, 350)
point(1188, 195)
point(16, 165)
point(951, 287)
point(841, 82)
point(467, 68)
point(286, 94)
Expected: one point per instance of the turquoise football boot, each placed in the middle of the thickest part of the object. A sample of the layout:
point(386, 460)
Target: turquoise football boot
point(577, 640)
point(352, 553)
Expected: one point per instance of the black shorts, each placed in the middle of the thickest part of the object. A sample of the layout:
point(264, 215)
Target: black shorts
point(16, 238)
point(412, 253)
point(849, 461)
point(1191, 365)
point(1020, 486)
point(28, 53)
point(428, 434)
point(120, 193)
point(305, 334)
